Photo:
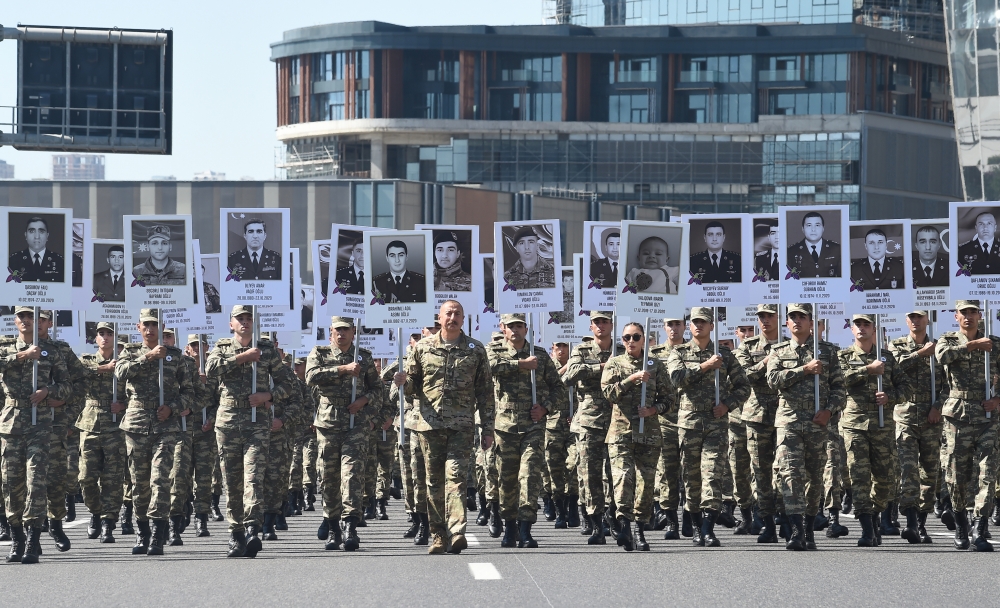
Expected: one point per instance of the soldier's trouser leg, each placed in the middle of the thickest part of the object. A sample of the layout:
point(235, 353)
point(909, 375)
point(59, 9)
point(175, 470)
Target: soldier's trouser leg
point(418, 471)
point(204, 456)
point(385, 451)
point(180, 473)
point(555, 460)
point(833, 483)
point(344, 459)
point(150, 458)
point(668, 467)
point(127, 483)
point(702, 453)
point(592, 450)
point(919, 447)
point(544, 480)
point(276, 477)
point(310, 454)
point(217, 481)
point(55, 484)
point(870, 464)
point(761, 439)
point(72, 460)
point(739, 464)
point(406, 473)
point(519, 466)
point(572, 459)
point(24, 460)
point(726, 480)
point(243, 453)
point(970, 445)
point(371, 464)
point(446, 458)
point(801, 456)
point(633, 469)
point(102, 464)
point(295, 478)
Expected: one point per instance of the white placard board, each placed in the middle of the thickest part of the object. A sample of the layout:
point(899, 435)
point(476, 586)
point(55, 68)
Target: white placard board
point(39, 250)
point(401, 289)
point(656, 264)
point(527, 258)
point(158, 252)
point(825, 276)
point(601, 260)
point(255, 242)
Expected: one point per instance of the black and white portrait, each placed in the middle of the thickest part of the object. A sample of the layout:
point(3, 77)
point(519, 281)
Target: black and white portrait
point(37, 243)
point(254, 244)
point(350, 273)
point(715, 250)
point(815, 251)
point(80, 228)
point(210, 283)
point(652, 262)
point(109, 271)
point(398, 264)
point(159, 251)
point(877, 257)
point(931, 248)
point(528, 254)
point(979, 246)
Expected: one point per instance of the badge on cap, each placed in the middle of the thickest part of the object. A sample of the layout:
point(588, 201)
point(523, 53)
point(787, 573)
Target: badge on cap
point(45, 353)
point(169, 358)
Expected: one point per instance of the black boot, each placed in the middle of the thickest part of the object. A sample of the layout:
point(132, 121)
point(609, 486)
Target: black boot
point(216, 513)
point(297, 502)
point(725, 516)
point(396, 487)
point(784, 526)
point(157, 535)
point(414, 526)
point(323, 532)
point(142, 538)
point(597, 529)
point(810, 538)
point(745, 522)
point(876, 529)
point(176, 526)
point(820, 522)
point(237, 544)
point(947, 513)
point(660, 519)
point(94, 527)
point(526, 542)
point(310, 497)
point(5, 533)
point(894, 514)
point(625, 539)
point(925, 538)
point(611, 519)
point(767, 533)
point(981, 542)
point(267, 532)
point(848, 503)
point(559, 504)
point(201, 530)
point(708, 520)
point(423, 532)
point(509, 534)
point(639, 537)
point(107, 531)
point(548, 508)
point(572, 516)
point(697, 520)
point(587, 527)
point(70, 508)
point(836, 530)
point(758, 523)
point(938, 505)
point(911, 532)
point(351, 539)
point(470, 498)
point(886, 528)
point(962, 530)
point(254, 545)
point(370, 509)
point(280, 523)
point(796, 540)
point(484, 510)
point(671, 532)
point(382, 515)
point(686, 524)
point(336, 535)
point(288, 505)
point(996, 514)
point(18, 541)
point(57, 534)
point(495, 523)
point(33, 547)
point(867, 530)
point(125, 516)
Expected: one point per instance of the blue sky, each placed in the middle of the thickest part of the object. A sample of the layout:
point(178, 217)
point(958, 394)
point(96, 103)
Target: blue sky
point(224, 99)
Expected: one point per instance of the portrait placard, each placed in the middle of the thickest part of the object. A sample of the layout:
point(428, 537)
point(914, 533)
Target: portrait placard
point(255, 242)
point(345, 295)
point(720, 264)
point(107, 301)
point(581, 319)
point(561, 326)
point(487, 319)
point(158, 252)
point(379, 340)
point(455, 272)
point(216, 317)
point(320, 252)
point(976, 269)
point(287, 317)
point(765, 286)
point(37, 245)
point(308, 318)
point(602, 246)
point(931, 241)
point(527, 255)
point(189, 317)
point(399, 287)
point(813, 266)
point(656, 260)
point(83, 265)
point(881, 272)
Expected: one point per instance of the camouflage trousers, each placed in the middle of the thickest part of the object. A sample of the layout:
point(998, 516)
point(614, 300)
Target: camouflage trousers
point(242, 458)
point(102, 465)
point(668, 468)
point(181, 474)
point(411, 471)
point(127, 483)
point(150, 459)
point(703, 452)
point(486, 472)
point(869, 459)
point(835, 474)
point(633, 471)
point(561, 470)
point(24, 461)
point(593, 455)
point(343, 456)
point(303, 469)
point(446, 458)
point(56, 487)
point(972, 462)
point(205, 464)
point(801, 457)
point(378, 470)
point(73, 460)
point(761, 445)
point(739, 465)
point(218, 485)
point(276, 473)
point(519, 464)
point(919, 448)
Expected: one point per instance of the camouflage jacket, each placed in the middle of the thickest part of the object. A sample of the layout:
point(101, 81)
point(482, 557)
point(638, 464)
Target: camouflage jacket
point(335, 388)
point(450, 383)
point(543, 275)
point(140, 379)
point(860, 410)
point(584, 374)
point(965, 373)
point(660, 352)
point(392, 397)
point(68, 413)
point(236, 379)
point(696, 389)
point(626, 397)
point(16, 378)
point(206, 399)
point(762, 403)
point(512, 387)
point(96, 414)
point(309, 404)
point(918, 369)
point(796, 390)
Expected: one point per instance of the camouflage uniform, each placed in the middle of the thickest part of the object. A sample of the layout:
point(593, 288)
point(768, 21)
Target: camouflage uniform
point(204, 448)
point(633, 454)
point(181, 473)
point(835, 475)
point(668, 467)
point(64, 442)
point(279, 447)
point(541, 276)
point(758, 416)
point(102, 444)
point(411, 463)
point(303, 468)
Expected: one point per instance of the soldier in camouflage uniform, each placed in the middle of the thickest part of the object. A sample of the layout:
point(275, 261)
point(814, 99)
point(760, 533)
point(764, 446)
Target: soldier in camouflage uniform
point(758, 416)
point(869, 446)
point(558, 444)
point(180, 471)
point(792, 371)
point(204, 449)
point(450, 373)
point(486, 478)
point(668, 467)
point(634, 454)
point(332, 370)
point(151, 427)
point(918, 427)
point(302, 475)
point(531, 270)
point(378, 468)
point(243, 424)
point(24, 446)
point(593, 415)
point(702, 421)
point(102, 444)
point(970, 422)
point(520, 424)
point(284, 412)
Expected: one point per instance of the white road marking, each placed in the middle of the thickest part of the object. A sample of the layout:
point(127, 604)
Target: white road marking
point(484, 571)
point(472, 540)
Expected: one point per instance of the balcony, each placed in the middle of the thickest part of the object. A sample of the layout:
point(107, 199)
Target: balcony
point(939, 91)
point(902, 84)
point(637, 76)
point(788, 78)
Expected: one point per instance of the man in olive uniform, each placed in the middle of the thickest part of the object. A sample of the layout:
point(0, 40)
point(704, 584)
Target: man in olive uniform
point(37, 262)
point(26, 431)
point(668, 468)
point(284, 413)
point(159, 269)
point(715, 264)
point(151, 425)
point(560, 451)
point(180, 470)
point(378, 468)
point(814, 256)
point(451, 374)
point(350, 398)
point(970, 421)
point(703, 422)
point(400, 284)
point(530, 271)
point(255, 262)
point(302, 477)
point(878, 270)
point(448, 273)
point(243, 423)
point(102, 444)
point(204, 449)
point(520, 424)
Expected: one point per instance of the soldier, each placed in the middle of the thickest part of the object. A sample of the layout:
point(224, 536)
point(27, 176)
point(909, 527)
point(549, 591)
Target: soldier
point(284, 412)
point(604, 271)
point(918, 427)
point(400, 284)
point(765, 263)
point(715, 264)
point(255, 262)
point(159, 269)
point(243, 423)
point(930, 264)
point(869, 446)
point(801, 439)
point(558, 443)
point(378, 466)
point(703, 428)
point(343, 447)
point(37, 262)
point(111, 283)
point(877, 271)
point(970, 434)
point(520, 424)
point(151, 427)
point(668, 468)
point(982, 254)
point(738, 489)
point(448, 272)
point(530, 271)
point(451, 373)
point(25, 446)
point(352, 277)
point(102, 444)
point(634, 454)
point(814, 256)
point(302, 476)
point(180, 470)
point(593, 415)
point(204, 449)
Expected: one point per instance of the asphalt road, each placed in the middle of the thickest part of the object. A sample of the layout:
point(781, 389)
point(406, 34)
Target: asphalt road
point(390, 571)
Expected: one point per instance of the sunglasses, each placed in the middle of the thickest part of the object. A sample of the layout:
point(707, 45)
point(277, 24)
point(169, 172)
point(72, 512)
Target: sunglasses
point(631, 337)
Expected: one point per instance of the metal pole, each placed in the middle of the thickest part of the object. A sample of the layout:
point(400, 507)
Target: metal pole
point(55, 330)
point(816, 356)
point(354, 379)
point(987, 322)
point(114, 355)
point(254, 328)
point(878, 357)
point(715, 340)
point(930, 336)
point(645, 360)
point(34, 367)
point(201, 370)
point(400, 349)
point(531, 351)
point(571, 392)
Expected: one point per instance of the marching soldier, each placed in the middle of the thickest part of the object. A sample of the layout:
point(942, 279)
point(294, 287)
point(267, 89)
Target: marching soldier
point(284, 412)
point(668, 468)
point(302, 475)
point(558, 445)
point(204, 449)
point(180, 471)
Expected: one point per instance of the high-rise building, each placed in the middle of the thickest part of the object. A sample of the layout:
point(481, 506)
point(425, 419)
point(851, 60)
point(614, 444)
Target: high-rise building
point(87, 167)
point(6, 170)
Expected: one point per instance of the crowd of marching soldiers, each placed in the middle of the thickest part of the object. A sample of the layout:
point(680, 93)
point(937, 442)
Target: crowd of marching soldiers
point(769, 433)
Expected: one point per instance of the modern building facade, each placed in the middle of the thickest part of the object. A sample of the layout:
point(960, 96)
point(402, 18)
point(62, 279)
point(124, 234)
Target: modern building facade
point(87, 167)
point(6, 170)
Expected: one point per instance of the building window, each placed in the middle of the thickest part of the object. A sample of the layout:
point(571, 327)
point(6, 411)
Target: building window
point(530, 69)
point(361, 71)
point(638, 69)
point(361, 104)
point(328, 66)
point(293, 71)
point(725, 68)
point(544, 106)
point(719, 107)
point(328, 106)
point(363, 204)
point(826, 68)
point(385, 205)
point(697, 6)
point(293, 110)
point(430, 84)
point(785, 104)
point(629, 107)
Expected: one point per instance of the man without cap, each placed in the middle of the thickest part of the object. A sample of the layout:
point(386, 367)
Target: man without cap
point(24, 445)
point(981, 254)
point(352, 277)
point(791, 371)
point(604, 271)
point(765, 263)
point(702, 418)
point(531, 270)
point(255, 262)
point(715, 264)
point(37, 262)
point(970, 422)
point(668, 467)
point(204, 449)
point(343, 446)
point(159, 268)
point(111, 283)
point(400, 284)
point(814, 256)
point(930, 264)
point(243, 423)
point(918, 426)
point(151, 426)
point(102, 444)
point(878, 270)
point(451, 373)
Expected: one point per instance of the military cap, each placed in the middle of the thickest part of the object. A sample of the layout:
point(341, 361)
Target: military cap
point(300, 360)
point(525, 231)
point(45, 314)
point(105, 325)
point(702, 312)
point(922, 313)
point(341, 322)
point(149, 314)
point(805, 309)
point(168, 330)
point(671, 319)
point(863, 317)
point(193, 338)
point(19, 309)
point(602, 314)
point(446, 236)
point(964, 304)
point(512, 317)
point(558, 342)
point(123, 338)
point(158, 230)
point(773, 308)
point(241, 309)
